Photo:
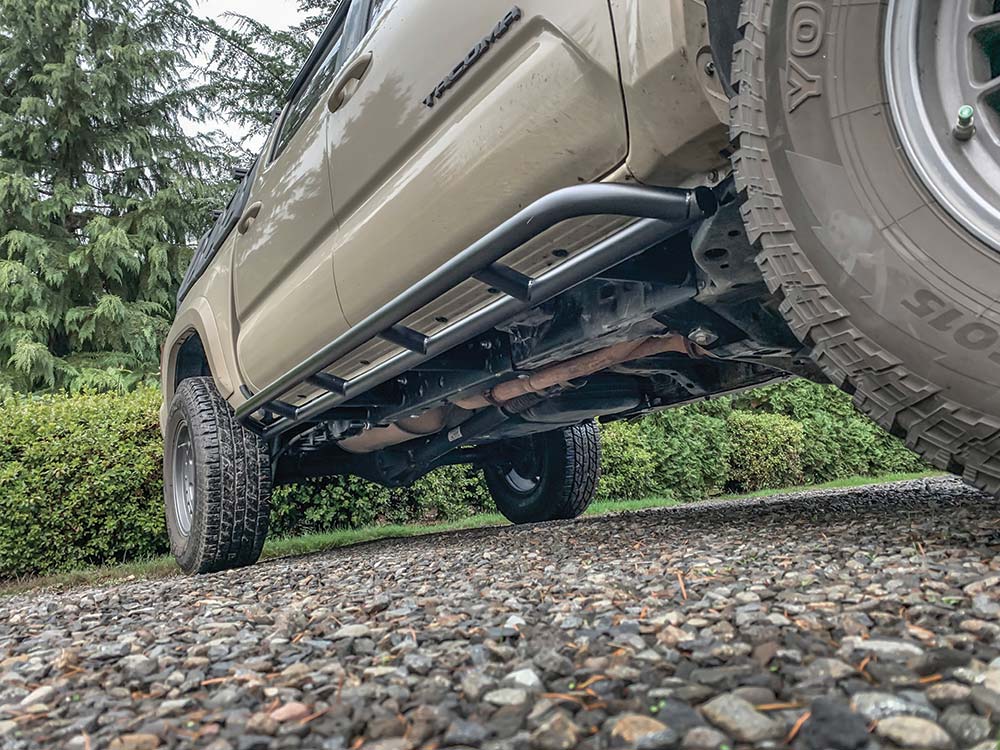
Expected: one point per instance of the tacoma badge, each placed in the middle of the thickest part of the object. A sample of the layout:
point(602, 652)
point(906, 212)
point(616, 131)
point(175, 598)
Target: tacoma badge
point(512, 17)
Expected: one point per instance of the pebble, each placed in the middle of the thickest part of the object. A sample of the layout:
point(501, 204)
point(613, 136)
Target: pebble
point(506, 697)
point(912, 731)
point(740, 719)
point(559, 732)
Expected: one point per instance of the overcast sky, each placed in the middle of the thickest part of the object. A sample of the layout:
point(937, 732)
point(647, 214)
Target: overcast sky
point(275, 13)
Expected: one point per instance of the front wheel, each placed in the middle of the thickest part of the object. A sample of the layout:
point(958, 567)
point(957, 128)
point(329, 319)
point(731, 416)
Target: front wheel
point(216, 482)
point(547, 477)
point(867, 146)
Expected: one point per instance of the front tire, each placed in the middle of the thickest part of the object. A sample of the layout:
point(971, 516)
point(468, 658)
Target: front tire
point(216, 482)
point(547, 477)
point(893, 295)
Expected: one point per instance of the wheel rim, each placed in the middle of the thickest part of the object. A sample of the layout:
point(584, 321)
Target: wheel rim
point(523, 471)
point(940, 56)
point(183, 479)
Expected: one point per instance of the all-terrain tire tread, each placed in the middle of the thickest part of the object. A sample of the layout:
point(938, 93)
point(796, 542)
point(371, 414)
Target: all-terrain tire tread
point(238, 487)
point(948, 435)
point(582, 470)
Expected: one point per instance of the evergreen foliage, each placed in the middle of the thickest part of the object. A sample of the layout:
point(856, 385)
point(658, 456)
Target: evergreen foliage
point(250, 66)
point(102, 193)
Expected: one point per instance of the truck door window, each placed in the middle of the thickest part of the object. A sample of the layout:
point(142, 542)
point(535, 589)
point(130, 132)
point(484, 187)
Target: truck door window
point(308, 96)
point(376, 10)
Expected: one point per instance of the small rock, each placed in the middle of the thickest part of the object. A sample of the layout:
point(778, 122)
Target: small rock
point(507, 697)
point(135, 742)
point(43, 694)
point(985, 607)
point(468, 733)
point(741, 720)
point(475, 683)
point(755, 695)
point(882, 647)
point(418, 663)
point(825, 671)
point(638, 731)
point(137, 666)
point(526, 679)
point(679, 716)
point(704, 738)
point(557, 733)
point(967, 728)
point(912, 731)
point(292, 711)
point(875, 706)
point(254, 742)
point(938, 660)
point(261, 723)
point(833, 726)
point(985, 700)
point(982, 586)
point(945, 694)
point(663, 740)
point(351, 631)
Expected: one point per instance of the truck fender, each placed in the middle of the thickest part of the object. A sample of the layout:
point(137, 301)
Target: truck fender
point(196, 318)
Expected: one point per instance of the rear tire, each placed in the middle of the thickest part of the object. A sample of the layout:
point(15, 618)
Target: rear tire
point(896, 300)
point(547, 477)
point(216, 482)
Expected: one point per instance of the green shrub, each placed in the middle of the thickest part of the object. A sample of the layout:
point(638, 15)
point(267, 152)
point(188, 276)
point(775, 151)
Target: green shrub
point(839, 441)
point(766, 451)
point(80, 481)
point(691, 449)
point(628, 465)
point(349, 503)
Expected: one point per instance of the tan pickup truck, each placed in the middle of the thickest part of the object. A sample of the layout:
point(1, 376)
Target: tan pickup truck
point(478, 227)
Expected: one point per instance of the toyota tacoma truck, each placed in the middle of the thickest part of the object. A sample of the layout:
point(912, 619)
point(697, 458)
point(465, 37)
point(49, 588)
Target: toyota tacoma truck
point(477, 229)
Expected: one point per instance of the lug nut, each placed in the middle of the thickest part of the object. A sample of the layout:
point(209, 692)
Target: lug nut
point(703, 337)
point(966, 125)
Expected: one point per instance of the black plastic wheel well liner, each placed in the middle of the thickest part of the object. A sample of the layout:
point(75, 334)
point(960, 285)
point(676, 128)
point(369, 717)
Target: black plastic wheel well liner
point(723, 33)
point(192, 362)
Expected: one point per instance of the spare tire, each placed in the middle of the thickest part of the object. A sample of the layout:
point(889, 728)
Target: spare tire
point(875, 222)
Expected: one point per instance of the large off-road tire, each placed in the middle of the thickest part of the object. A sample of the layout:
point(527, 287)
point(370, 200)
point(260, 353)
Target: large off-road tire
point(896, 296)
point(547, 477)
point(216, 482)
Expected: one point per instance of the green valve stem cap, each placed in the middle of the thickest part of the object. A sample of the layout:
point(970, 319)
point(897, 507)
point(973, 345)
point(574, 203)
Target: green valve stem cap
point(965, 127)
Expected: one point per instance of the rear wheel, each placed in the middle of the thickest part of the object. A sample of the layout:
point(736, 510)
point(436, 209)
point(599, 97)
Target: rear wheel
point(547, 477)
point(876, 213)
point(216, 482)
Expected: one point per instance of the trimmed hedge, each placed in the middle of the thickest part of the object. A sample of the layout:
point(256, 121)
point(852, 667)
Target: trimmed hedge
point(80, 481)
point(766, 451)
point(80, 476)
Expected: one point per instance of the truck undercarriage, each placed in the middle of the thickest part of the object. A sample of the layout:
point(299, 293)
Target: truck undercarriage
point(660, 314)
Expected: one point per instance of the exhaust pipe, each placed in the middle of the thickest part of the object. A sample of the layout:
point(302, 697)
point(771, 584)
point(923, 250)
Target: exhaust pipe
point(436, 420)
point(578, 367)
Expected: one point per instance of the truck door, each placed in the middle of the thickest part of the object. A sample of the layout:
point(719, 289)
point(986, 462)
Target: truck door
point(285, 297)
point(462, 113)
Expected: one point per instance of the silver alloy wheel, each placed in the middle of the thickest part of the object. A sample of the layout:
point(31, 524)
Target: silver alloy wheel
point(183, 477)
point(520, 483)
point(941, 55)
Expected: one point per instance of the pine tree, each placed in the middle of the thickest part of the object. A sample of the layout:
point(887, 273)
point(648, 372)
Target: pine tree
point(251, 65)
point(102, 194)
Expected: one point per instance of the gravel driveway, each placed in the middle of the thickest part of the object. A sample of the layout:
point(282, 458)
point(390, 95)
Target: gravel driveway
point(848, 619)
